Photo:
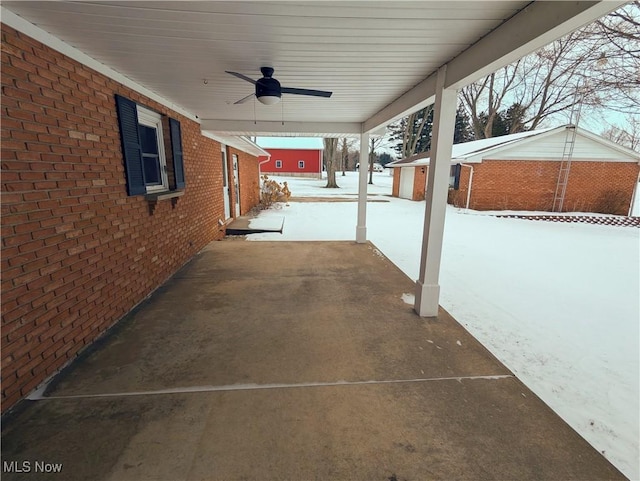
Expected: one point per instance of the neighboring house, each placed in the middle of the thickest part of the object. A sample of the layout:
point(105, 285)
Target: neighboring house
point(520, 172)
point(106, 192)
point(292, 156)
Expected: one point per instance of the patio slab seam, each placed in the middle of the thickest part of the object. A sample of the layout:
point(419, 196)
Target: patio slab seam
point(40, 396)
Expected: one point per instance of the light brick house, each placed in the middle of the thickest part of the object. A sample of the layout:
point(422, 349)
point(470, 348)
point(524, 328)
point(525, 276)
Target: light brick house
point(293, 157)
point(520, 172)
point(106, 192)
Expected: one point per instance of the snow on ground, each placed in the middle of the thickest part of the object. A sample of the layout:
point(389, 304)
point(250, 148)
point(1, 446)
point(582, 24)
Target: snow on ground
point(557, 303)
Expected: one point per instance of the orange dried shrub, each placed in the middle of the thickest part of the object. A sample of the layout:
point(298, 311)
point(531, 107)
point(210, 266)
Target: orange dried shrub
point(272, 192)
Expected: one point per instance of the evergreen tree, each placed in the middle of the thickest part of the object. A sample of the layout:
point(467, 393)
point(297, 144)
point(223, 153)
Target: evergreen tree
point(412, 134)
point(463, 131)
point(384, 158)
point(498, 127)
point(514, 118)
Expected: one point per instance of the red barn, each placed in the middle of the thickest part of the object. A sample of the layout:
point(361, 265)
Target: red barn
point(292, 156)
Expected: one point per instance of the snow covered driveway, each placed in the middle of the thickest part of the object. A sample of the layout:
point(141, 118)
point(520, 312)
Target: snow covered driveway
point(557, 303)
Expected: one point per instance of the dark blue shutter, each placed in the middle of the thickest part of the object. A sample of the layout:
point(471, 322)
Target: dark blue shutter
point(131, 148)
point(176, 147)
point(456, 179)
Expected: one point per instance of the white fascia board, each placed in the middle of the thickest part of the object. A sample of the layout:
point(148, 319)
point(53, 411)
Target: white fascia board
point(237, 142)
point(610, 144)
point(269, 128)
point(20, 24)
point(633, 156)
point(251, 147)
point(537, 25)
point(415, 99)
point(477, 156)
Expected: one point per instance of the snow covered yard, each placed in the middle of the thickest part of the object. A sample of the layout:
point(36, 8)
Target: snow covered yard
point(557, 303)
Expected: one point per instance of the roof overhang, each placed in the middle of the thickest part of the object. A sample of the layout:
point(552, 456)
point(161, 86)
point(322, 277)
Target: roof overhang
point(380, 58)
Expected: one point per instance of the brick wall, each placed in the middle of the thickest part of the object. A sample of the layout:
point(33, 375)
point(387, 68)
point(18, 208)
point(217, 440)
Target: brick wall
point(420, 182)
point(248, 167)
point(77, 252)
point(601, 187)
point(605, 187)
point(395, 188)
point(458, 197)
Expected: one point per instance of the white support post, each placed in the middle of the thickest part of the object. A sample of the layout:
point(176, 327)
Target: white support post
point(363, 169)
point(427, 287)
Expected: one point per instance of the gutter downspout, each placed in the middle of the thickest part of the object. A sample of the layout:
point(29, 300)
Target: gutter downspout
point(260, 165)
point(633, 197)
point(470, 182)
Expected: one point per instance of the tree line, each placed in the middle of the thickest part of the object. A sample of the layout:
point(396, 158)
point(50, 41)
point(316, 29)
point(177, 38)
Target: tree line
point(596, 68)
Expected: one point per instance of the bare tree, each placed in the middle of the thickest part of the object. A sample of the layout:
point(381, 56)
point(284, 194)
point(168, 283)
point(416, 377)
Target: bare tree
point(494, 88)
point(331, 160)
point(374, 143)
point(344, 152)
point(598, 66)
point(412, 133)
point(629, 137)
point(616, 62)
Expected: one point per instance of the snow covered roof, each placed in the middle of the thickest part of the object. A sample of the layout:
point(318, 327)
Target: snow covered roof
point(475, 151)
point(467, 149)
point(310, 143)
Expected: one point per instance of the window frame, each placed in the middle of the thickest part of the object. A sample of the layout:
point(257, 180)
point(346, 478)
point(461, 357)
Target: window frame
point(152, 119)
point(278, 164)
point(131, 117)
point(301, 164)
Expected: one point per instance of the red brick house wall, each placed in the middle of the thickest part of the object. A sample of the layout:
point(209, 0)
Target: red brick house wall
point(312, 162)
point(395, 188)
point(458, 197)
point(78, 253)
point(601, 186)
point(248, 168)
point(530, 185)
point(419, 182)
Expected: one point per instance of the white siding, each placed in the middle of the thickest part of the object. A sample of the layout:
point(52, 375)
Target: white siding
point(551, 148)
point(407, 175)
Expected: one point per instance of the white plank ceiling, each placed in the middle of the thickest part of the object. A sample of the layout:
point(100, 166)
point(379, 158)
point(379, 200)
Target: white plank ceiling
point(367, 53)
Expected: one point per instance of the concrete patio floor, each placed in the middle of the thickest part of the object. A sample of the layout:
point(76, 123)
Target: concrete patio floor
point(292, 361)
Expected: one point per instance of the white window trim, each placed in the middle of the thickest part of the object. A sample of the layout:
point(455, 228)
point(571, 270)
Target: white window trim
point(153, 119)
point(301, 164)
point(278, 164)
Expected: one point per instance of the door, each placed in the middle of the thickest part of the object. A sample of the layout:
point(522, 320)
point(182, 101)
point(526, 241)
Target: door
point(236, 180)
point(226, 192)
point(407, 175)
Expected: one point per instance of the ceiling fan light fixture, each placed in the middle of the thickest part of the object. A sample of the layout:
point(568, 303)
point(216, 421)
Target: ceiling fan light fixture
point(269, 91)
point(269, 99)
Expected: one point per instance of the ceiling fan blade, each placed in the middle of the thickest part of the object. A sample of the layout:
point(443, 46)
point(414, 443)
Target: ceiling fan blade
point(243, 77)
point(243, 100)
point(312, 93)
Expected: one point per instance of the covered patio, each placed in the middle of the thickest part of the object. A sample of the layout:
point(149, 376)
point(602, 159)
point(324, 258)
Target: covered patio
point(254, 361)
point(292, 361)
point(380, 60)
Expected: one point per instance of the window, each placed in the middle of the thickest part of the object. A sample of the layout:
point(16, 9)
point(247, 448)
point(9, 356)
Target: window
point(454, 177)
point(301, 164)
point(278, 164)
point(142, 135)
point(154, 162)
